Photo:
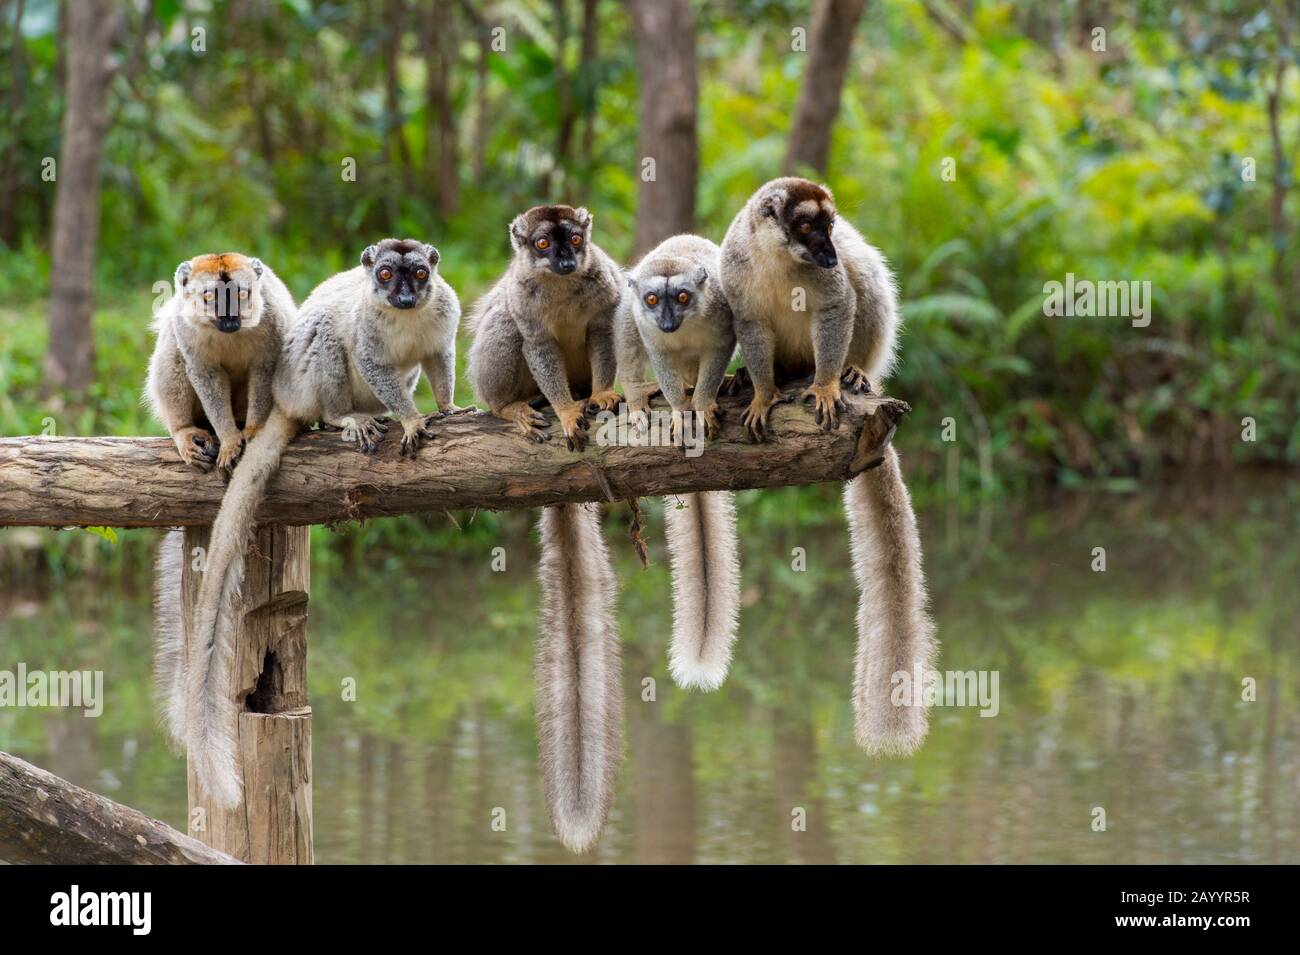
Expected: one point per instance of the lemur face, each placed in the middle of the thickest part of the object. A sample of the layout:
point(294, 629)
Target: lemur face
point(665, 301)
point(401, 272)
point(222, 291)
point(554, 238)
point(804, 212)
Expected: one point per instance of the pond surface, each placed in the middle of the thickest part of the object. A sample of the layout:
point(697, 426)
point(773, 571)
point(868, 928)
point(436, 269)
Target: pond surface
point(1119, 691)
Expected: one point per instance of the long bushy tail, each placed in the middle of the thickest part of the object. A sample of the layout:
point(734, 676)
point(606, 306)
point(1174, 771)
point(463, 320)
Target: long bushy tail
point(701, 532)
point(895, 633)
point(211, 712)
point(169, 637)
point(578, 674)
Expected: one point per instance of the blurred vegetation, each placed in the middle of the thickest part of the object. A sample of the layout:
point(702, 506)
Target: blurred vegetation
point(1115, 164)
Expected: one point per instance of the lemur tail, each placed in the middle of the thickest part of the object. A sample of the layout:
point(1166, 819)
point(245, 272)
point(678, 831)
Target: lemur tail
point(211, 710)
point(895, 632)
point(169, 637)
point(701, 532)
point(577, 671)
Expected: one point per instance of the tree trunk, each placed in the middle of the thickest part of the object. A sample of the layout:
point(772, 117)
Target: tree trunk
point(669, 101)
point(829, 43)
point(587, 79)
point(400, 153)
point(442, 149)
point(9, 169)
point(70, 355)
point(564, 98)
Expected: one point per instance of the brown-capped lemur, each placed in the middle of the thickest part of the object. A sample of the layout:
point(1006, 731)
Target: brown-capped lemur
point(811, 296)
point(354, 354)
point(218, 343)
point(546, 330)
point(677, 320)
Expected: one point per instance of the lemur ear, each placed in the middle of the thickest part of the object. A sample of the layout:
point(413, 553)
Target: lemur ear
point(368, 256)
point(258, 267)
point(700, 276)
point(584, 218)
point(772, 203)
point(433, 255)
point(519, 231)
point(183, 271)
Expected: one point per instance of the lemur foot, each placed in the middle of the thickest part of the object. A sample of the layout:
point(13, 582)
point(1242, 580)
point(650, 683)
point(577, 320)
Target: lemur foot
point(365, 432)
point(711, 419)
point(602, 401)
point(530, 422)
point(737, 382)
point(197, 448)
point(573, 423)
point(757, 415)
point(414, 430)
point(638, 415)
point(450, 410)
point(856, 380)
point(828, 402)
point(232, 446)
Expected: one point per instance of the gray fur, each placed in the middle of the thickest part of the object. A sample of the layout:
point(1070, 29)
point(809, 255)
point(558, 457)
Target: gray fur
point(212, 389)
point(169, 636)
point(539, 333)
point(350, 356)
point(577, 672)
point(700, 528)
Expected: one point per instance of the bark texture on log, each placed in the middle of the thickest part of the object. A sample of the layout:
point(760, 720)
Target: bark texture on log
point(476, 461)
point(45, 819)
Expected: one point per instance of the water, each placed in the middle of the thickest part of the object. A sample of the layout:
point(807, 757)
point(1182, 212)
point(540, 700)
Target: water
point(1119, 690)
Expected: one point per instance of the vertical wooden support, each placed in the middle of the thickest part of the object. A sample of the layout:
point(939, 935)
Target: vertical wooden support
point(273, 823)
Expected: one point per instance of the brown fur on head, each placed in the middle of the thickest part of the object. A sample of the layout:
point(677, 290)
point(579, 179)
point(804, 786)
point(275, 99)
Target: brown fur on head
point(804, 215)
point(221, 291)
point(553, 238)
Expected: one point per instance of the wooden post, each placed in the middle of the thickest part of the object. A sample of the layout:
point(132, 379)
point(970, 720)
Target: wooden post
point(273, 823)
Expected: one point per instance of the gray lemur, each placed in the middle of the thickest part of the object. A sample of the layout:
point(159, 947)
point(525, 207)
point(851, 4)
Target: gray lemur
point(807, 303)
point(678, 320)
point(355, 352)
point(218, 342)
point(546, 330)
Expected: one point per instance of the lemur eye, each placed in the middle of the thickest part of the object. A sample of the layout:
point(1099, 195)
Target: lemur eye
point(209, 296)
point(683, 297)
point(805, 228)
point(576, 240)
point(542, 244)
point(652, 299)
point(243, 293)
point(385, 274)
point(421, 274)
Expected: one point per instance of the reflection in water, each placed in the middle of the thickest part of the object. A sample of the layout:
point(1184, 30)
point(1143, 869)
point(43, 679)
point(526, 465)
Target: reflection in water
point(1120, 690)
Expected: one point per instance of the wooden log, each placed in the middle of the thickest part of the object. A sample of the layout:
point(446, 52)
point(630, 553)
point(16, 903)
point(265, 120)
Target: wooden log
point(476, 461)
point(45, 819)
point(273, 823)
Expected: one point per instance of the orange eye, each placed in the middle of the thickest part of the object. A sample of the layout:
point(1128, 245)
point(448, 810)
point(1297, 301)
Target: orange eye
point(652, 299)
point(805, 228)
point(421, 274)
point(542, 244)
point(575, 240)
point(385, 274)
point(683, 297)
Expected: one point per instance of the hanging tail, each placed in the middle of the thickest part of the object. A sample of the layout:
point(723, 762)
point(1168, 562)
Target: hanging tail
point(895, 633)
point(702, 548)
point(577, 671)
point(169, 637)
point(211, 713)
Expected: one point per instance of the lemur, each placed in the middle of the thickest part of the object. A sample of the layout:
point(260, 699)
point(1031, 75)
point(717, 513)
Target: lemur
point(218, 342)
point(355, 353)
point(677, 319)
point(806, 303)
point(546, 330)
